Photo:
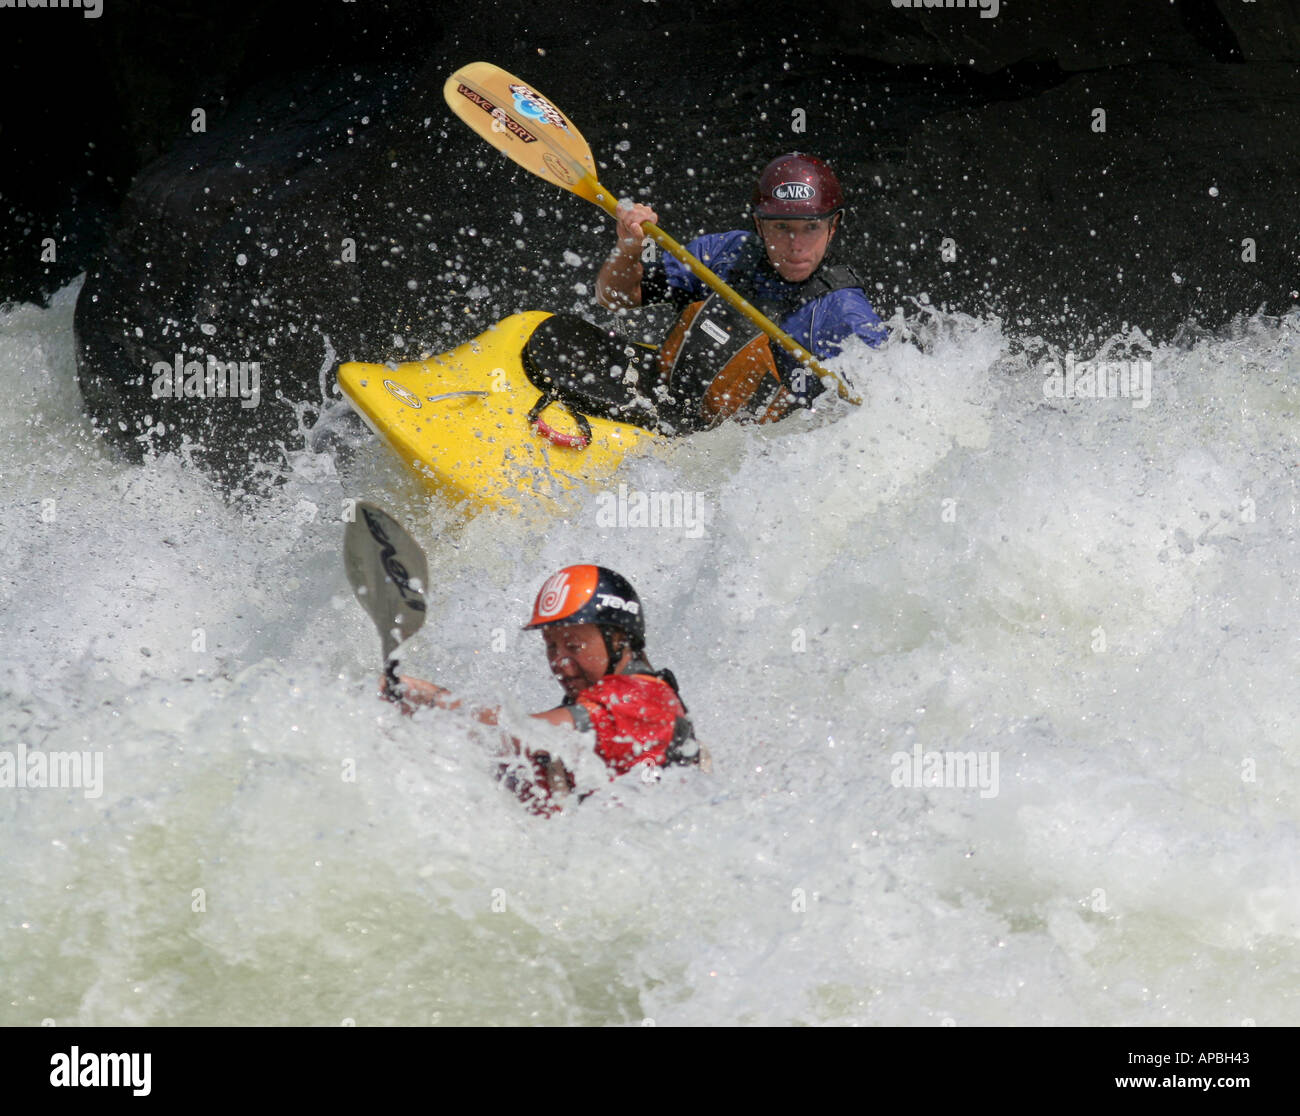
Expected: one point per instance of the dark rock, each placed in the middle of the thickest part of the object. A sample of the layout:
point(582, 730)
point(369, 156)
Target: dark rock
point(1106, 33)
point(1263, 32)
point(943, 124)
point(1075, 234)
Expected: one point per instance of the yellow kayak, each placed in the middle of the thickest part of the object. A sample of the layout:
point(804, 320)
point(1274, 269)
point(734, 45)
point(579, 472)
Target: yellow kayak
point(460, 421)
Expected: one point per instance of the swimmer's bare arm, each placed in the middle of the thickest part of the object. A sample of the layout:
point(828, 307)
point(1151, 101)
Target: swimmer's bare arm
point(416, 692)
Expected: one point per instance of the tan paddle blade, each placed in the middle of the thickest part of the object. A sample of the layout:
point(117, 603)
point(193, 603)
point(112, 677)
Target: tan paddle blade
point(388, 572)
point(520, 122)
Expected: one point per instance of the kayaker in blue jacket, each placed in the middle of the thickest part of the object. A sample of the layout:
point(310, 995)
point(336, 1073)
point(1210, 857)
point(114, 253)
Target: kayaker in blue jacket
point(781, 267)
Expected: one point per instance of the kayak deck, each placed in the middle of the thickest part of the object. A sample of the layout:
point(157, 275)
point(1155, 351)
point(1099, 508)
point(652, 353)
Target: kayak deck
point(460, 422)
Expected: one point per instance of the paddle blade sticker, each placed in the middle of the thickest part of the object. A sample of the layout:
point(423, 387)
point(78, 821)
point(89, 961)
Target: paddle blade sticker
point(524, 124)
point(388, 572)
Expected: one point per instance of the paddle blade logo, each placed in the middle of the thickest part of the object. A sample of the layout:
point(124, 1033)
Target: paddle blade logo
point(530, 103)
point(794, 191)
point(394, 569)
point(500, 115)
point(550, 601)
point(556, 166)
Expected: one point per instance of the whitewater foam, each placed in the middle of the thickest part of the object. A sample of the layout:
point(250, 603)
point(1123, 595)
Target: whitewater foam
point(1102, 596)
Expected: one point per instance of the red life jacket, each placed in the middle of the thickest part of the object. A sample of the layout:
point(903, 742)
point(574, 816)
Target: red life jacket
point(635, 717)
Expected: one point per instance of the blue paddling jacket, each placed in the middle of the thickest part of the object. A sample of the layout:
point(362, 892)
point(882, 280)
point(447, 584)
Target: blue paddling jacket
point(820, 323)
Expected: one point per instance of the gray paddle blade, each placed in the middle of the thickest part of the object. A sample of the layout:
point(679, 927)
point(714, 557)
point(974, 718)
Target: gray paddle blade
point(388, 572)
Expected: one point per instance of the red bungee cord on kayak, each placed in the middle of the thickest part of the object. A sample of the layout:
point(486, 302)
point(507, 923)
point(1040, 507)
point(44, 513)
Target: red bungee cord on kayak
point(594, 627)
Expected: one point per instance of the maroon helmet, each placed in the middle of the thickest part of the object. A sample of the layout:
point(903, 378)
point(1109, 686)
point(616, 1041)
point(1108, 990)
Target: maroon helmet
point(797, 186)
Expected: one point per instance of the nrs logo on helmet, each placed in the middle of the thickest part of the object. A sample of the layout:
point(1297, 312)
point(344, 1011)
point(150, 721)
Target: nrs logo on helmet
point(794, 191)
point(797, 186)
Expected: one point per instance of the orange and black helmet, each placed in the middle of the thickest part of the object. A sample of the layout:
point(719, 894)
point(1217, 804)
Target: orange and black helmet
point(797, 186)
point(590, 595)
